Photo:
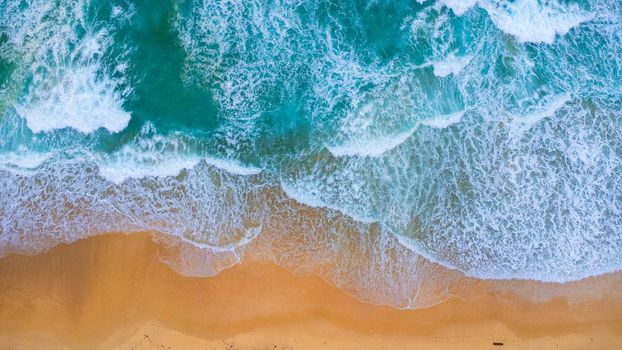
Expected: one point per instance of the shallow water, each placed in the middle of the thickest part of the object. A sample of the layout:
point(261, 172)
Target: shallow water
point(483, 136)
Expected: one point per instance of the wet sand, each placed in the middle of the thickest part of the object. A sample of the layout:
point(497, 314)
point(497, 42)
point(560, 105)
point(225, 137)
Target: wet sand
point(113, 292)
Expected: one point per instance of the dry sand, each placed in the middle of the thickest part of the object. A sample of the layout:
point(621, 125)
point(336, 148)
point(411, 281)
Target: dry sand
point(112, 292)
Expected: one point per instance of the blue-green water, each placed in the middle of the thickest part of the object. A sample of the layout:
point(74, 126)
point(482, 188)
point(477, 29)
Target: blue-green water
point(485, 136)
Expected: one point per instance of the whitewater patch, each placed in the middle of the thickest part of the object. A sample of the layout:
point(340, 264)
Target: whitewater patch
point(116, 167)
point(232, 166)
point(61, 61)
point(527, 20)
point(79, 100)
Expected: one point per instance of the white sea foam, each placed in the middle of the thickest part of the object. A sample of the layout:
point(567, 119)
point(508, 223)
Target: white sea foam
point(307, 194)
point(491, 202)
point(450, 65)
point(232, 166)
point(373, 147)
point(362, 259)
point(61, 54)
point(459, 7)
point(120, 169)
point(79, 100)
point(535, 21)
point(189, 259)
point(206, 208)
point(22, 161)
point(527, 20)
point(153, 154)
point(215, 29)
point(443, 121)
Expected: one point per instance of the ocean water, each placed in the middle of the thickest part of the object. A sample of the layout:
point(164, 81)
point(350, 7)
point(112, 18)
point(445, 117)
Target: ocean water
point(375, 143)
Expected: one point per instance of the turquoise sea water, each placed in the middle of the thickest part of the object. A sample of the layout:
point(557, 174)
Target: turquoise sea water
point(484, 136)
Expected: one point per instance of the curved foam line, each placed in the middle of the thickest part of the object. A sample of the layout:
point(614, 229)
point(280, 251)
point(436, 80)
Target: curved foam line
point(232, 166)
point(120, 170)
point(375, 147)
point(546, 110)
point(444, 121)
point(228, 248)
point(310, 201)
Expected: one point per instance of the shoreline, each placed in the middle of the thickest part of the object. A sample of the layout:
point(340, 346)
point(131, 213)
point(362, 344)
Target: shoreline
point(113, 292)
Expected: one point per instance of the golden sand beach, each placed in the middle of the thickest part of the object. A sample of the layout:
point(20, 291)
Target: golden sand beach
point(113, 292)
